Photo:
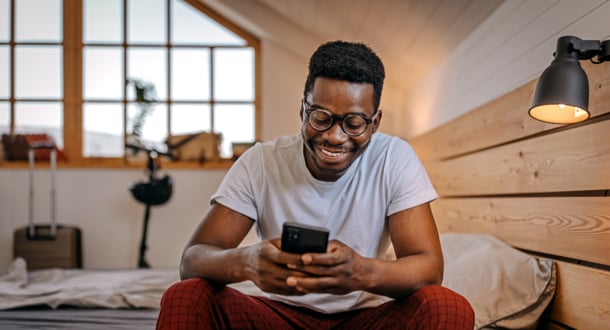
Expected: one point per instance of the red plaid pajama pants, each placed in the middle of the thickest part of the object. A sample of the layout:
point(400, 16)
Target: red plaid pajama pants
point(198, 304)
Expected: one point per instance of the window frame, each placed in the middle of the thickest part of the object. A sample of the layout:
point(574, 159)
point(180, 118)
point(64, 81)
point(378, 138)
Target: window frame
point(73, 101)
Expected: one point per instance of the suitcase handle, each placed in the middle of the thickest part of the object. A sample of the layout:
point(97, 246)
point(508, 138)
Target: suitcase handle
point(42, 145)
point(53, 165)
point(35, 235)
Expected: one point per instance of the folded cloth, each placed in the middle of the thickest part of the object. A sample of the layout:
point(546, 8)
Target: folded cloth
point(16, 277)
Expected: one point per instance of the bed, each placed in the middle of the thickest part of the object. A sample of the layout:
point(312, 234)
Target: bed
point(507, 288)
point(81, 299)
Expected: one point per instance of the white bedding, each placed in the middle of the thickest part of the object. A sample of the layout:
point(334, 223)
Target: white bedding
point(134, 288)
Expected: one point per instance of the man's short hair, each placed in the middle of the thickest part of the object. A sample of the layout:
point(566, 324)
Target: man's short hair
point(348, 61)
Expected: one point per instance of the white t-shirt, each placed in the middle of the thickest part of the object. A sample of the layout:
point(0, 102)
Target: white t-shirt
point(271, 184)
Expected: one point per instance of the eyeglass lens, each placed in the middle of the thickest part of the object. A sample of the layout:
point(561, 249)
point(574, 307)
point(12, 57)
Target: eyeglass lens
point(351, 124)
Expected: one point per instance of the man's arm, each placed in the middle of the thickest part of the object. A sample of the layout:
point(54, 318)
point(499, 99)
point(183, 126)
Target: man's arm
point(418, 252)
point(213, 253)
point(342, 270)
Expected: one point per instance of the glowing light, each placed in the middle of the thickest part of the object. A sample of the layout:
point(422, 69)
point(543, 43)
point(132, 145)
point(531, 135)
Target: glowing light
point(578, 112)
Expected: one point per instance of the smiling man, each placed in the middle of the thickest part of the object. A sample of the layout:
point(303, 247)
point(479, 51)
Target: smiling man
point(367, 188)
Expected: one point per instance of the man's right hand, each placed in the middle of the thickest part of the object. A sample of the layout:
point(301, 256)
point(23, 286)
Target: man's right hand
point(268, 267)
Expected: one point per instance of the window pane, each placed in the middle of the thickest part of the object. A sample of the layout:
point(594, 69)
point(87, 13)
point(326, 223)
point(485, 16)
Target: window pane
point(103, 21)
point(236, 123)
point(154, 127)
point(191, 74)
point(6, 68)
point(234, 74)
point(40, 118)
point(38, 20)
point(38, 71)
point(190, 26)
point(103, 72)
point(148, 65)
point(4, 118)
point(190, 118)
point(102, 130)
point(147, 21)
point(4, 19)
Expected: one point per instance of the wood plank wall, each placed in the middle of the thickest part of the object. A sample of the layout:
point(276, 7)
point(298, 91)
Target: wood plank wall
point(542, 188)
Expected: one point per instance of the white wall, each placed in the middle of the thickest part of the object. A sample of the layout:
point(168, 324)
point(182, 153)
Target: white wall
point(508, 50)
point(98, 202)
point(283, 80)
point(286, 50)
point(512, 47)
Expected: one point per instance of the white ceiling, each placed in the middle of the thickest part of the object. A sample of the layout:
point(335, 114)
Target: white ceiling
point(410, 36)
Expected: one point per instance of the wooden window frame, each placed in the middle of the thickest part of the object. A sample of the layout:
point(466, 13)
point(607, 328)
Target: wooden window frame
point(73, 81)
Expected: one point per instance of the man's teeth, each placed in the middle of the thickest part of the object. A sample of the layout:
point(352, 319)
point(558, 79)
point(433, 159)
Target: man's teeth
point(332, 154)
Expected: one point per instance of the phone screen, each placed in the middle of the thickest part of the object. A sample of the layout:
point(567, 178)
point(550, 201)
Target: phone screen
point(299, 238)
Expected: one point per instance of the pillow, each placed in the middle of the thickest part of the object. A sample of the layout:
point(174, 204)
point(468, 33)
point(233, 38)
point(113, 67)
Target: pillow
point(507, 288)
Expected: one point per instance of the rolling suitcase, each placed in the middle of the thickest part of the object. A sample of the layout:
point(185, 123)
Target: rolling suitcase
point(49, 245)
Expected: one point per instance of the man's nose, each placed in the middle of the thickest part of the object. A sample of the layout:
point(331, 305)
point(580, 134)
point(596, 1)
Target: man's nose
point(335, 134)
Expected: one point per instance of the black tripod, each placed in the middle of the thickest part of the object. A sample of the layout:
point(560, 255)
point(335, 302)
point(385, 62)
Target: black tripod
point(155, 191)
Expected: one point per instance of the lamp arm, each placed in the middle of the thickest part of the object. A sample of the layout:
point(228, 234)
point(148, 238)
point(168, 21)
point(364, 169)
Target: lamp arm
point(585, 49)
point(604, 54)
point(594, 50)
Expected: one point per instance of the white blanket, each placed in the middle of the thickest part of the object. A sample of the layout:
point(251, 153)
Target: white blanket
point(134, 288)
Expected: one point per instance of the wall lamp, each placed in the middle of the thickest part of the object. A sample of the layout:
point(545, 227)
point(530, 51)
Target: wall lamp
point(562, 92)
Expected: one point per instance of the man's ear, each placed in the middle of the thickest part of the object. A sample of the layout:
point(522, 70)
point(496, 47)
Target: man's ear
point(377, 120)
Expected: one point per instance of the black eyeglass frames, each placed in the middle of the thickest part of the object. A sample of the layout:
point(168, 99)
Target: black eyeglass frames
point(352, 124)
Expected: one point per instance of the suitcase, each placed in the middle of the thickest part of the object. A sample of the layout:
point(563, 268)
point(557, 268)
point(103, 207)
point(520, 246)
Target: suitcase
point(46, 245)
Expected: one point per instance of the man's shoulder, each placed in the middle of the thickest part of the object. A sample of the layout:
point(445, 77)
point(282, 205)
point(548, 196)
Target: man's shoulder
point(384, 137)
point(278, 147)
point(386, 143)
point(282, 142)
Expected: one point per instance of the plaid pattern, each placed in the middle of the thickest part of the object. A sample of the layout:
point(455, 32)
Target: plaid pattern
point(198, 304)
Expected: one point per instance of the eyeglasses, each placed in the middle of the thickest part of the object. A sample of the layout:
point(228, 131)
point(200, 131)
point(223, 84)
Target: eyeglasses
point(352, 124)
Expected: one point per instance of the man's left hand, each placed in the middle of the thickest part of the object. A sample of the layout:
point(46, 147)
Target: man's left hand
point(340, 270)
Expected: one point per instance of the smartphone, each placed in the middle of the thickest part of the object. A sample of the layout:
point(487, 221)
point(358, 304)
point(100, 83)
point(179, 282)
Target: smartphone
point(299, 238)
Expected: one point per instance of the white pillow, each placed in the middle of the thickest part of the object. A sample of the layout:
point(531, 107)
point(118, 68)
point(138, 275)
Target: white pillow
point(507, 288)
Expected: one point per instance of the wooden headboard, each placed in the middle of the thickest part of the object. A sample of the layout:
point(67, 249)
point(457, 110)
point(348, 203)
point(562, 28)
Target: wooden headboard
point(542, 188)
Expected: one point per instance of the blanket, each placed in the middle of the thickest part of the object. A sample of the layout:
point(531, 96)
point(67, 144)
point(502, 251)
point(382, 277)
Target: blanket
point(132, 288)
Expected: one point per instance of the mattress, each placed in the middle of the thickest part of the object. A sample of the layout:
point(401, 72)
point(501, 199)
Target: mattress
point(78, 318)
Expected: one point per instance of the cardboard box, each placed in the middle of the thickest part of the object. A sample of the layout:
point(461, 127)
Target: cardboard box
point(200, 146)
point(240, 147)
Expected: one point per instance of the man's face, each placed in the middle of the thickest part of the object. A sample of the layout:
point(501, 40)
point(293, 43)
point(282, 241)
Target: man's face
point(329, 153)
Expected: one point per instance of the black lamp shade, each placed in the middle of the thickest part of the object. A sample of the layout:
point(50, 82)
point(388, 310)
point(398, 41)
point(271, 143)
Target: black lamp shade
point(562, 92)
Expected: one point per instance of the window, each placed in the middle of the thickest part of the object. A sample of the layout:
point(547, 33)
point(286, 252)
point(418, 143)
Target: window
point(30, 49)
point(73, 68)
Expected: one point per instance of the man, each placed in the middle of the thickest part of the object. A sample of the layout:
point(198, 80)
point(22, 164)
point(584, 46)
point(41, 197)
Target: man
point(367, 188)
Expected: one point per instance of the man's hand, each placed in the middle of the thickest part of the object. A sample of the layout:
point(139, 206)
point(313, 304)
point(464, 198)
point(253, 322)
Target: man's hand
point(268, 267)
point(341, 270)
